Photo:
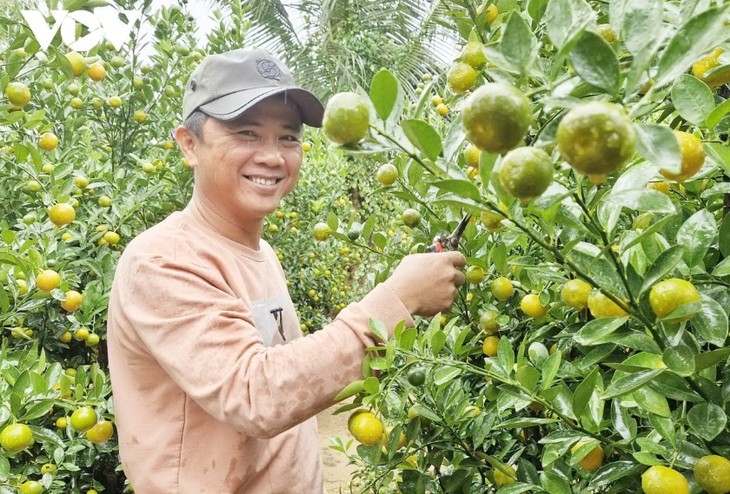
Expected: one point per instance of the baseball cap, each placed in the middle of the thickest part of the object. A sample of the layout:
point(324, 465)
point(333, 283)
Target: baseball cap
point(225, 85)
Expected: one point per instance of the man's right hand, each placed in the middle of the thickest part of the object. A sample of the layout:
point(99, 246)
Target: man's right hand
point(428, 283)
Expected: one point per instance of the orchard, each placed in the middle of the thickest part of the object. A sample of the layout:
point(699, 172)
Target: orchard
point(586, 141)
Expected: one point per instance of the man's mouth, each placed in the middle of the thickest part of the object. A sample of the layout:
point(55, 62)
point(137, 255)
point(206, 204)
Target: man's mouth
point(262, 180)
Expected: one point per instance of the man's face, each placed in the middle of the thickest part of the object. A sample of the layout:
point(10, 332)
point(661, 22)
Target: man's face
point(244, 167)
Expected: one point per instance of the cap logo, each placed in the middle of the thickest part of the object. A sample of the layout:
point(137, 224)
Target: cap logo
point(268, 69)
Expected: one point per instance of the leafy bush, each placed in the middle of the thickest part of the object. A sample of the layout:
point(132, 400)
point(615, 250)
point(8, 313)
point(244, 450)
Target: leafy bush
point(528, 409)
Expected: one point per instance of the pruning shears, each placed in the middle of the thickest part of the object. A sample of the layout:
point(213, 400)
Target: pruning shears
point(442, 242)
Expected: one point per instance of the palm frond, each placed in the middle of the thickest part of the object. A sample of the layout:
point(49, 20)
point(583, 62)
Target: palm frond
point(334, 45)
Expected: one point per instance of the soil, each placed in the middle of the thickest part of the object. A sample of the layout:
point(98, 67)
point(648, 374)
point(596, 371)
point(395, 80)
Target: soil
point(337, 471)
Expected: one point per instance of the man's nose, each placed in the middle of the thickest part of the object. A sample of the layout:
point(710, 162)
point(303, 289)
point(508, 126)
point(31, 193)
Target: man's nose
point(270, 153)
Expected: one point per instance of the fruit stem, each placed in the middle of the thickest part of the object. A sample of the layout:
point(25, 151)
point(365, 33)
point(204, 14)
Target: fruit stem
point(374, 251)
point(413, 156)
point(578, 196)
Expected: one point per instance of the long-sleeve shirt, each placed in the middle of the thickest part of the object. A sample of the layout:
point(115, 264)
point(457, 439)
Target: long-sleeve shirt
point(215, 387)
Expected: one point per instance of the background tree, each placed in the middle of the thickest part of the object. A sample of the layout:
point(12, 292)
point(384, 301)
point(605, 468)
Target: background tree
point(339, 44)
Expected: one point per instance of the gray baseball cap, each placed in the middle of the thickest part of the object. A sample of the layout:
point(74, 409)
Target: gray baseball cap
point(227, 84)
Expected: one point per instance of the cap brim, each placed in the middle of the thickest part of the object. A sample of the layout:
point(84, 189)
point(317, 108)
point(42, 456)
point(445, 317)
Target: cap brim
point(233, 105)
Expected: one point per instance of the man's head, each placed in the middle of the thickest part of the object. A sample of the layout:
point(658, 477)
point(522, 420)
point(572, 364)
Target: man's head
point(242, 136)
point(224, 86)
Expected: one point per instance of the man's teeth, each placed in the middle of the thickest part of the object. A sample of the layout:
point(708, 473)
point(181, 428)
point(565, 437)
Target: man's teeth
point(262, 180)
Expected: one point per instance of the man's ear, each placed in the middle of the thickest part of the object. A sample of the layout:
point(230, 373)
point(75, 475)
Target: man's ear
point(188, 145)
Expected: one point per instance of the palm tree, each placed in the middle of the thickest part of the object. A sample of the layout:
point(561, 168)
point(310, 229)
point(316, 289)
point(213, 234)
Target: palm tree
point(333, 45)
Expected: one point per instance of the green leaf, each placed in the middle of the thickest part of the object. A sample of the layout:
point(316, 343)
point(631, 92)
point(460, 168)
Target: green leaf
point(445, 374)
point(651, 401)
point(371, 385)
point(657, 144)
point(627, 384)
point(611, 472)
point(407, 338)
point(638, 22)
point(624, 424)
point(638, 341)
point(566, 19)
point(561, 436)
point(536, 9)
point(707, 420)
point(708, 359)
point(599, 331)
point(4, 301)
point(5, 470)
point(711, 322)
point(722, 269)
point(333, 221)
point(550, 368)
point(461, 202)
point(718, 113)
point(697, 235)
point(674, 387)
point(665, 426)
point(595, 62)
point(665, 263)
point(463, 188)
point(350, 390)
point(634, 177)
point(698, 35)
point(522, 422)
point(538, 354)
point(46, 435)
point(424, 137)
point(518, 42)
point(724, 239)
point(585, 390)
point(486, 165)
point(554, 484)
point(644, 200)
point(716, 190)
point(649, 232)
point(9, 119)
point(384, 92)
point(527, 376)
point(368, 227)
point(438, 340)
point(720, 154)
point(680, 360)
point(692, 99)
point(426, 412)
point(378, 329)
point(505, 354)
point(683, 312)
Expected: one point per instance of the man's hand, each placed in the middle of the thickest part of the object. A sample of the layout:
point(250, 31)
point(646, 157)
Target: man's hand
point(428, 283)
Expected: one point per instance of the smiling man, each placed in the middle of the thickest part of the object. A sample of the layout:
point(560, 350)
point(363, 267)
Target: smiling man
point(215, 387)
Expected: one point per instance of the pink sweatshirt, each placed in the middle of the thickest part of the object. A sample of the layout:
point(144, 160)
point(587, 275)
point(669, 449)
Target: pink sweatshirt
point(215, 388)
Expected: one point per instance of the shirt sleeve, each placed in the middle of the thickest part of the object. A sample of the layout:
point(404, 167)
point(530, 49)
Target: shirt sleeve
point(204, 338)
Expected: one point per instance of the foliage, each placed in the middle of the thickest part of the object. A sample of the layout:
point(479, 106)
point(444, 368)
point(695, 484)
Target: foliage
point(122, 173)
point(341, 44)
point(649, 390)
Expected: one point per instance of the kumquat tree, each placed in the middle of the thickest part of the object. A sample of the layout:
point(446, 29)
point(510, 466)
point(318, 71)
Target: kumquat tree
point(586, 144)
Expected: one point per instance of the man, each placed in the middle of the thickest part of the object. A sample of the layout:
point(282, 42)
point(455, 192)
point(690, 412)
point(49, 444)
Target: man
point(215, 388)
